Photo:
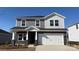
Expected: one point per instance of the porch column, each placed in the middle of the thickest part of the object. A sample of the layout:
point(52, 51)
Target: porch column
point(22, 37)
point(27, 38)
point(13, 38)
point(36, 38)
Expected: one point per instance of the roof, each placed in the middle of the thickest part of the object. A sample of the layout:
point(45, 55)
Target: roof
point(39, 17)
point(52, 28)
point(30, 17)
point(4, 32)
point(16, 28)
point(19, 27)
point(77, 22)
point(54, 13)
point(38, 28)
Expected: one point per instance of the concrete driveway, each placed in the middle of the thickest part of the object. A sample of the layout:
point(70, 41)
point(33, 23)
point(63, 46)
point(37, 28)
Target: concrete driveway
point(55, 48)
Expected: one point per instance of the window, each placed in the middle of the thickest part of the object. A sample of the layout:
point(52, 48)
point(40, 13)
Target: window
point(37, 22)
point(76, 26)
point(51, 23)
point(56, 23)
point(23, 22)
point(24, 36)
point(19, 19)
point(20, 36)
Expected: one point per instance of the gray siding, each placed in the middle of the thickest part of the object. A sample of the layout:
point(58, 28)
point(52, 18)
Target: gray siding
point(5, 38)
point(60, 19)
point(18, 23)
point(30, 23)
point(42, 24)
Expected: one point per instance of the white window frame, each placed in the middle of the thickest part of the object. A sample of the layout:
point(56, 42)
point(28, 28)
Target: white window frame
point(39, 23)
point(21, 37)
point(77, 26)
point(21, 23)
point(53, 22)
point(58, 22)
point(16, 22)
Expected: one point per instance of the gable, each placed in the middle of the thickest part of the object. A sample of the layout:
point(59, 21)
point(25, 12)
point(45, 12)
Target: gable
point(32, 28)
point(55, 17)
point(54, 14)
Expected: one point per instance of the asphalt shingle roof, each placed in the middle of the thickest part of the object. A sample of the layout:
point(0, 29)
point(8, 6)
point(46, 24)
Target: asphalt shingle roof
point(41, 28)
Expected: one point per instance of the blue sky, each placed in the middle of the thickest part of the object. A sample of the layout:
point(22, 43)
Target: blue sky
point(8, 15)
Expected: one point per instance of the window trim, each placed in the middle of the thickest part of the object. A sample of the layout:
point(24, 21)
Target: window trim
point(77, 26)
point(50, 22)
point(16, 22)
point(22, 37)
point(39, 23)
point(19, 37)
point(21, 23)
point(57, 22)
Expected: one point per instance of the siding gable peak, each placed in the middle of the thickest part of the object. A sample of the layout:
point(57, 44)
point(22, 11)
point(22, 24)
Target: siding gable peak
point(31, 28)
point(53, 14)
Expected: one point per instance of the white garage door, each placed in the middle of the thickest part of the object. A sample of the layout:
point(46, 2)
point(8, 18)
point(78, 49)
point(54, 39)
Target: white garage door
point(51, 39)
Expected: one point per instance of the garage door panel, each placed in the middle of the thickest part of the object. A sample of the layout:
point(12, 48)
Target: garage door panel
point(52, 39)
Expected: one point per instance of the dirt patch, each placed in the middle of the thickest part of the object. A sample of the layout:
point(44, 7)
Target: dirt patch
point(16, 48)
point(75, 46)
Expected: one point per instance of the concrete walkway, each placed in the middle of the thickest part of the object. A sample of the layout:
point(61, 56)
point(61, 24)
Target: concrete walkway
point(55, 48)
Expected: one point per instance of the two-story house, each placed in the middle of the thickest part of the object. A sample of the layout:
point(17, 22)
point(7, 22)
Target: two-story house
point(47, 30)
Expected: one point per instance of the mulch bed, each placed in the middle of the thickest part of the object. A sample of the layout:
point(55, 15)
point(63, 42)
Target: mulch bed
point(16, 48)
point(74, 44)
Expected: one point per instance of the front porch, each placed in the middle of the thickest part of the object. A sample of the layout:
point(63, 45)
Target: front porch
point(25, 37)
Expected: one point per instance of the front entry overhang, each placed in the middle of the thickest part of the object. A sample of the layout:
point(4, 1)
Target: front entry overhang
point(33, 28)
point(30, 28)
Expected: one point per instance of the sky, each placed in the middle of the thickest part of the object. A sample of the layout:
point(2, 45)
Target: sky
point(8, 14)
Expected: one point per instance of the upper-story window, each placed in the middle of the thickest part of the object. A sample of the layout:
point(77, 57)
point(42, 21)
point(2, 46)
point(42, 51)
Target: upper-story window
point(37, 23)
point(51, 23)
point(56, 23)
point(23, 22)
point(19, 19)
point(76, 26)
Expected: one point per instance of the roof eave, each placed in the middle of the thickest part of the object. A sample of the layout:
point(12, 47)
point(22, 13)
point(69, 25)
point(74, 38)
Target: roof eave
point(55, 14)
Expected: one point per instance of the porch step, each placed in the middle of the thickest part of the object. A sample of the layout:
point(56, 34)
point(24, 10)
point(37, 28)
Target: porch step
point(31, 45)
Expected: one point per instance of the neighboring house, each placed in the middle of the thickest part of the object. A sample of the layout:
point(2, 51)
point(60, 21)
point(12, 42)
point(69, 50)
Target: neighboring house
point(73, 32)
point(5, 37)
point(47, 30)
